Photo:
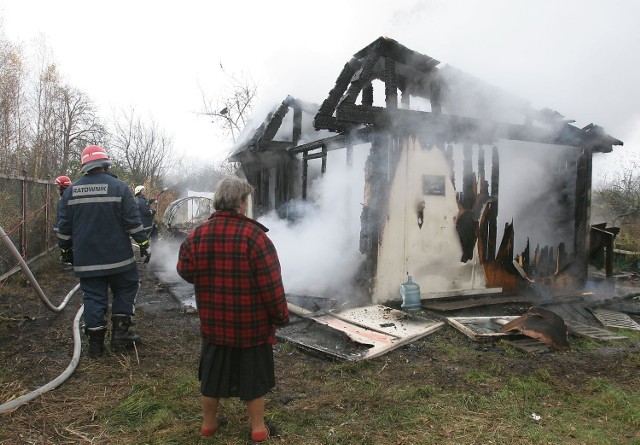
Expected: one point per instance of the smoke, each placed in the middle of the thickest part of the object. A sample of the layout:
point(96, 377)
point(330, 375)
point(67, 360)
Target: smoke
point(319, 251)
point(164, 258)
point(537, 192)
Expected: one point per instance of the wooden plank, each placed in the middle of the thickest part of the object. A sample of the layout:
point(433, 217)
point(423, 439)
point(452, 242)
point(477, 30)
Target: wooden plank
point(473, 302)
point(591, 332)
point(614, 319)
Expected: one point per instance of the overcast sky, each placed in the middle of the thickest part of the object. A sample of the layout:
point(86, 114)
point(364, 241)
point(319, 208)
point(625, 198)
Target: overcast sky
point(579, 57)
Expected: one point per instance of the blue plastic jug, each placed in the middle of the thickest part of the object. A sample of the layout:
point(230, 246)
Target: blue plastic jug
point(410, 293)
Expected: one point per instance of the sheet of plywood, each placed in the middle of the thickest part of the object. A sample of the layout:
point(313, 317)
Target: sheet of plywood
point(380, 328)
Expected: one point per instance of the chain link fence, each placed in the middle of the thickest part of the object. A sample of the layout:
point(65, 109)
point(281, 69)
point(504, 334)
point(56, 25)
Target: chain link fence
point(27, 215)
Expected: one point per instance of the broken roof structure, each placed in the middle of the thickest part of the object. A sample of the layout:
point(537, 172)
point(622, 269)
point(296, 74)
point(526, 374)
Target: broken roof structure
point(445, 150)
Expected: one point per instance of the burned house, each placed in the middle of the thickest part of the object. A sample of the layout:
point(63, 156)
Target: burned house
point(468, 189)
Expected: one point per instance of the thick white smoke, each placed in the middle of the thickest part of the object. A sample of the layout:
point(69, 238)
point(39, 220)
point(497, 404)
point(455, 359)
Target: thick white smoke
point(319, 253)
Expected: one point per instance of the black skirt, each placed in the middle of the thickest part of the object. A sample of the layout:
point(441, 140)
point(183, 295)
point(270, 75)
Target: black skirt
point(246, 373)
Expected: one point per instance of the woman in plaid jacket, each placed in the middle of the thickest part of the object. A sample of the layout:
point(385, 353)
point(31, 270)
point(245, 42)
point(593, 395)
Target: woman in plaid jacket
point(235, 270)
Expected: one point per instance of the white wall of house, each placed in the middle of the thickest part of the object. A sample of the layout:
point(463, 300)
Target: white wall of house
point(430, 254)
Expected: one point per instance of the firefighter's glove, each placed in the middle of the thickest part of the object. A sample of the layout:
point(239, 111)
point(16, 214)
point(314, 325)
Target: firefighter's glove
point(145, 249)
point(66, 255)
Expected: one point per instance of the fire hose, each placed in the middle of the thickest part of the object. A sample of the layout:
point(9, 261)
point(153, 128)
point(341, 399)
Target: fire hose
point(77, 342)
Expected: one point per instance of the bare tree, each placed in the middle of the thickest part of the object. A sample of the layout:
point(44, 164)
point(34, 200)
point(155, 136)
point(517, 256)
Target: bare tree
point(617, 201)
point(619, 197)
point(12, 111)
point(44, 145)
point(142, 149)
point(233, 106)
point(79, 124)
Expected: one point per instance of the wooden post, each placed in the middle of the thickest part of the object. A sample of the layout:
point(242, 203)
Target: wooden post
point(367, 95)
point(493, 218)
point(583, 215)
point(23, 225)
point(297, 124)
point(467, 177)
point(305, 167)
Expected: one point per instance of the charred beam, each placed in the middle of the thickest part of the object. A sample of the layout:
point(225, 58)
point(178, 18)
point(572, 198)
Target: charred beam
point(305, 170)
point(275, 122)
point(467, 177)
point(339, 88)
point(336, 142)
point(391, 48)
point(460, 128)
point(367, 95)
point(493, 210)
point(297, 125)
point(360, 79)
point(390, 84)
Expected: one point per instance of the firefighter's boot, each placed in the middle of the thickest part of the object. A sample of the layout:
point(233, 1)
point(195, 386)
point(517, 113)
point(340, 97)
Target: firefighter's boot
point(96, 340)
point(121, 338)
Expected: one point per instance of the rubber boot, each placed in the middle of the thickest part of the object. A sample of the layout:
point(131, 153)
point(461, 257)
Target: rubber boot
point(121, 338)
point(96, 340)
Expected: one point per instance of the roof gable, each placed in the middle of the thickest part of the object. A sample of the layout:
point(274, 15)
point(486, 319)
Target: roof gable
point(462, 107)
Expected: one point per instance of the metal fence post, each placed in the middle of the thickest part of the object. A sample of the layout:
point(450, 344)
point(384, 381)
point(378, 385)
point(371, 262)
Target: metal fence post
point(23, 224)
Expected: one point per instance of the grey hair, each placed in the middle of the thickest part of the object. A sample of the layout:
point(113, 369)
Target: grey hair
point(231, 192)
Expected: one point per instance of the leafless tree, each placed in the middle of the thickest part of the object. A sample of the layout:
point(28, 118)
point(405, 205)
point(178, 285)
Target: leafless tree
point(232, 107)
point(79, 124)
point(141, 148)
point(43, 143)
point(64, 121)
point(619, 197)
point(13, 121)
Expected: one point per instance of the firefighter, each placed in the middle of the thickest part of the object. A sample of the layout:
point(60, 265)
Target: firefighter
point(62, 183)
point(97, 216)
point(146, 212)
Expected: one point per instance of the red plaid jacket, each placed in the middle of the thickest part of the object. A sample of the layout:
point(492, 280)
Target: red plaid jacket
point(235, 269)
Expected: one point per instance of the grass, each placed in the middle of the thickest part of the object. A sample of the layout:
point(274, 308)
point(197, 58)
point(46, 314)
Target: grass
point(372, 402)
point(443, 389)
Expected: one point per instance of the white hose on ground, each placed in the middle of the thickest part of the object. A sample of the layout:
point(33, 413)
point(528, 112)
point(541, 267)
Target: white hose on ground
point(15, 403)
point(25, 268)
point(77, 342)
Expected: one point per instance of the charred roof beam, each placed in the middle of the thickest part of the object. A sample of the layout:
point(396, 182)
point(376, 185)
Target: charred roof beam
point(335, 142)
point(454, 128)
point(360, 79)
point(386, 47)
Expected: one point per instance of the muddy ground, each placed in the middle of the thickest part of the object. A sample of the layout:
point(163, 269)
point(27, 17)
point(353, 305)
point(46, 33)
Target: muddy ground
point(36, 346)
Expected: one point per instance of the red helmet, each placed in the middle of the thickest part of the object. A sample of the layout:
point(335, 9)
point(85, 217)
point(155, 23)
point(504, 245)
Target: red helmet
point(94, 156)
point(62, 181)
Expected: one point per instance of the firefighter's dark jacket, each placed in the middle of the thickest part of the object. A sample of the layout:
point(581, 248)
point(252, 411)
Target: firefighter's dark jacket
point(145, 212)
point(97, 216)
